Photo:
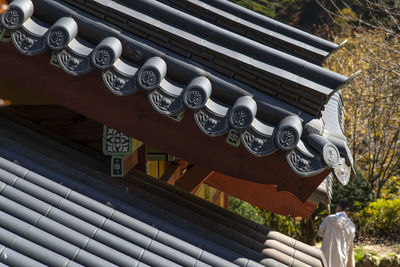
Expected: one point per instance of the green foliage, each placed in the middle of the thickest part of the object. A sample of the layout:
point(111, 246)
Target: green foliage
point(305, 14)
point(284, 224)
point(372, 104)
point(297, 228)
point(372, 110)
point(358, 192)
point(380, 219)
point(359, 254)
point(264, 7)
point(244, 209)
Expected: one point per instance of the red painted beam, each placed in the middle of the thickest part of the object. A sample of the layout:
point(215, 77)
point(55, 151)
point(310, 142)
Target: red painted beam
point(261, 195)
point(134, 116)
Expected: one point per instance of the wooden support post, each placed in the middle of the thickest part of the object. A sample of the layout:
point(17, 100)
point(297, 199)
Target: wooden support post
point(216, 197)
point(226, 203)
point(193, 178)
point(142, 159)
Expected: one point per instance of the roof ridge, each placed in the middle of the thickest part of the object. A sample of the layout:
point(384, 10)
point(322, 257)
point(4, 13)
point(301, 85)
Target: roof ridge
point(299, 80)
point(268, 23)
point(258, 28)
point(218, 39)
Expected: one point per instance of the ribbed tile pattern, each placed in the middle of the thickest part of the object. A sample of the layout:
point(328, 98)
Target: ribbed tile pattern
point(73, 217)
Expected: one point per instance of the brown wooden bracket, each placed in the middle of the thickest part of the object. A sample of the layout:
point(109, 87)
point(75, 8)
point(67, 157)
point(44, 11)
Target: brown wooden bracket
point(220, 199)
point(261, 195)
point(174, 171)
point(142, 159)
point(132, 160)
point(193, 178)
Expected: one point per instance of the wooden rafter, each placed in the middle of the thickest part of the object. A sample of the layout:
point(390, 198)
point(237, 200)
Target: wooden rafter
point(193, 178)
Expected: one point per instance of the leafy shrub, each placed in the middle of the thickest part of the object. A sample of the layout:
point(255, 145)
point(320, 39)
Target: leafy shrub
point(244, 209)
point(358, 254)
point(358, 192)
point(380, 219)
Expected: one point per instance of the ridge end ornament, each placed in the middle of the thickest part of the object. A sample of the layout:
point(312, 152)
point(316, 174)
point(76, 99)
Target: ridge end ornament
point(257, 144)
point(342, 172)
point(27, 43)
point(72, 63)
point(289, 133)
point(197, 93)
point(211, 124)
point(12, 19)
point(151, 74)
point(304, 165)
point(242, 113)
point(119, 84)
point(57, 38)
point(330, 153)
point(258, 139)
point(61, 33)
point(103, 57)
point(18, 12)
point(106, 53)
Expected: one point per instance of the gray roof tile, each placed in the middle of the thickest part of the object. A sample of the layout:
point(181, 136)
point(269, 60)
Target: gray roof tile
point(35, 251)
point(178, 48)
point(323, 81)
point(182, 41)
point(9, 257)
point(154, 226)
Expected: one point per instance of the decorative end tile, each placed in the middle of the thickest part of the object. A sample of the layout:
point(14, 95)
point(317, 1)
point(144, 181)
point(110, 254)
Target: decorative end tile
point(117, 166)
point(177, 117)
point(233, 138)
point(5, 36)
point(115, 142)
point(53, 60)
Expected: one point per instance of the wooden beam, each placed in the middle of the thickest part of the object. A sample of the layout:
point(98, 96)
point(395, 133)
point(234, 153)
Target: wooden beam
point(264, 196)
point(19, 95)
point(174, 171)
point(192, 179)
point(171, 174)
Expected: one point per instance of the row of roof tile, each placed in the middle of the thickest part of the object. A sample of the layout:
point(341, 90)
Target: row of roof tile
point(263, 123)
point(59, 214)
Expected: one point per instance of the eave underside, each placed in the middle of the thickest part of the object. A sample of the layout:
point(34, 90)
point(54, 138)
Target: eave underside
point(86, 95)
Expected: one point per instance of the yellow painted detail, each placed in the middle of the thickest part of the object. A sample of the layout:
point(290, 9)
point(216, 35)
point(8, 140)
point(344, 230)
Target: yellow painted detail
point(136, 144)
point(153, 169)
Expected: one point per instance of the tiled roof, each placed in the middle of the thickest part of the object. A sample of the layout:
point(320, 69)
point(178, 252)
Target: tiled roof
point(260, 88)
point(258, 28)
point(57, 209)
